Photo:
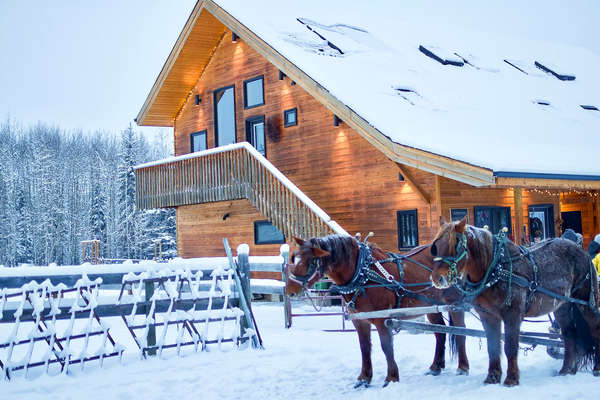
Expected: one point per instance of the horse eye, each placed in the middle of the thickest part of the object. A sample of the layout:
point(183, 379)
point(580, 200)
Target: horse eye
point(433, 250)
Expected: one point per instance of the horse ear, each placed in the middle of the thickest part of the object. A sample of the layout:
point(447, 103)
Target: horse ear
point(298, 241)
point(442, 221)
point(460, 226)
point(319, 252)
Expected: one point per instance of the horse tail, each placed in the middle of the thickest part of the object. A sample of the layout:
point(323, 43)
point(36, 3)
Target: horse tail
point(452, 340)
point(584, 341)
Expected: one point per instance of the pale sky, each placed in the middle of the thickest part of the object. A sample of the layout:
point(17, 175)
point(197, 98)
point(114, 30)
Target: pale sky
point(89, 65)
point(84, 64)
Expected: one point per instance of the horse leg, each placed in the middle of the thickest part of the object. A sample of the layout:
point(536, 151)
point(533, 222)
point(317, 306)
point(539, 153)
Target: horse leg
point(439, 361)
point(512, 330)
point(564, 317)
point(387, 345)
point(363, 328)
point(492, 327)
point(458, 319)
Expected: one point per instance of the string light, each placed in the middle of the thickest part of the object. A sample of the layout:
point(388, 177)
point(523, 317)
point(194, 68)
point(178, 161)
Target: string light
point(548, 192)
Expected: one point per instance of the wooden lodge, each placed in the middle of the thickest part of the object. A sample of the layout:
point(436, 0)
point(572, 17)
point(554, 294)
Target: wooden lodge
point(318, 165)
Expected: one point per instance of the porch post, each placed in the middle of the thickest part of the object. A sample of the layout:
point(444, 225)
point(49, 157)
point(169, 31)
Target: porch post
point(518, 206)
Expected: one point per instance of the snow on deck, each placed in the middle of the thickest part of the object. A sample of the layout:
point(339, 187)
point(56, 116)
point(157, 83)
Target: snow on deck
point(486, 112)
point(303, 363)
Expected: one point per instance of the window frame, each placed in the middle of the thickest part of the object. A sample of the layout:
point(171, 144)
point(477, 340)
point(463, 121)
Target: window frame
point(509, 219)
point(194, 135)
point(401, 234)
point(548, 210)
point(249, 122)
point(259, 77)
point(285, 114)
point(215, 114)
point(466, 210)
point(257, 224)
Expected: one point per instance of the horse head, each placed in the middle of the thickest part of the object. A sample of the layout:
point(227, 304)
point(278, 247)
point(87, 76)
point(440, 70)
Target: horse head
point(450, 252)
point(317, 257)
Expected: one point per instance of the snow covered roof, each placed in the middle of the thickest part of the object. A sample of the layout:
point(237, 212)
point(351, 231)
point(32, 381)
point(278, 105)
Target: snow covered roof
point(468, 82)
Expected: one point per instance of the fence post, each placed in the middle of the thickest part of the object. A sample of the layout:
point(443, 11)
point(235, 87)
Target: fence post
point(244, 268)
point(284, 251)
point(151, 339)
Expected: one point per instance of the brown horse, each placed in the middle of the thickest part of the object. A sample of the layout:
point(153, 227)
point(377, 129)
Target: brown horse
point(508, 283)
point(337, 256)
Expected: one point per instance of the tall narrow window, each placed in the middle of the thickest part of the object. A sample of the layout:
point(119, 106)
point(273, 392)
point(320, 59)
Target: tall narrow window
point(225, 116)
point(495, 218)
point(198, 141)
point(255, 133)
point(408, 229)
point(254, 95)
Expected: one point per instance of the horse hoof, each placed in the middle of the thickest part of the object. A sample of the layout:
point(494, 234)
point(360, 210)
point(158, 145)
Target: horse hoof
point(567, 371)
point(386, 383)
point(596, 372)
point(433, 372)
point(360, 384)
point(492, 379)
point(460, 371)
point(511, 382)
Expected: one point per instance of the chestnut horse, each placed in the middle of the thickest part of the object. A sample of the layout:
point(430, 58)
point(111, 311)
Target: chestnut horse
point(508, 283)
point(337, 256)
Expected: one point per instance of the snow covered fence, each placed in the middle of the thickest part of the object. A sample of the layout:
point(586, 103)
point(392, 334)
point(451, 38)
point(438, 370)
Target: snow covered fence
point(59, 313)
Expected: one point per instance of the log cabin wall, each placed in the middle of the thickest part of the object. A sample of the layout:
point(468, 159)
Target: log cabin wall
point(346, 176)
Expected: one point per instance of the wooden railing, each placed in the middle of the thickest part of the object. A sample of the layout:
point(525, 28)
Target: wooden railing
point(231, 172)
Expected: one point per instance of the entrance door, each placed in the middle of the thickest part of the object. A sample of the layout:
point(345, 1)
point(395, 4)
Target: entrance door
point(541, 222)
point(571, 219)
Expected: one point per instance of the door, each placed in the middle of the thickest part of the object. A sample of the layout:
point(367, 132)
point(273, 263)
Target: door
point(255, 133)
point(541, 222)
point(571, 219)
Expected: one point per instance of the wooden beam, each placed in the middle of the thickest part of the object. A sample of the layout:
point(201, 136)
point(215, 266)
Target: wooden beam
point(401, 312)
point(538, 183)
point(518, 207)
point(408, 178)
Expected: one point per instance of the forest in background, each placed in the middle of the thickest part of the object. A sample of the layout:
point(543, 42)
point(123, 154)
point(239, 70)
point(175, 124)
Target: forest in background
point(58, 188)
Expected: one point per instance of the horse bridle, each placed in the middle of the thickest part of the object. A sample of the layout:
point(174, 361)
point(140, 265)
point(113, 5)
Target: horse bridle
point(461, 252)
point(314, 266)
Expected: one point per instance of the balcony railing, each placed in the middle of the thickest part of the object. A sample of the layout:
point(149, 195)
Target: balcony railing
point(236, 171)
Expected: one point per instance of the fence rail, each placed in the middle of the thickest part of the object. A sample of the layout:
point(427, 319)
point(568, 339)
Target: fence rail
point(232, 172)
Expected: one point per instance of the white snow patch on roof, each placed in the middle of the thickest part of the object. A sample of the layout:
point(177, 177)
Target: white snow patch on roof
point(481, 113)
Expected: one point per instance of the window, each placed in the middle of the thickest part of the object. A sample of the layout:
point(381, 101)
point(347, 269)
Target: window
point(198, 141)
point(224, 116)
point(456, 214)
point(408, 229)
point(290, 117)
point(541, 222)
point(255, 133)
point(253, 92)
point(267, 233)
point(495, 218)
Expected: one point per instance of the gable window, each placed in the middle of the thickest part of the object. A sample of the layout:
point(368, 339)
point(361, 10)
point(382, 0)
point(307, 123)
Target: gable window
point(290, 117)
point(254, 95)
point(267, 233)
point(198, 141)
point(224, 116)
point(408, 229)
point(456, 214)
point(495, 218)
point(255, 133)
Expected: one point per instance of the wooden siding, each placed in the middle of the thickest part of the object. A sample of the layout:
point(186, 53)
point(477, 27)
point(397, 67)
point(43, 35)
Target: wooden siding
point(351, 180)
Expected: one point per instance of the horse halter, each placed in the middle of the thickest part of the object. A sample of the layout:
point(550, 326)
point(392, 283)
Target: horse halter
point(314, 266)
point(461, 252)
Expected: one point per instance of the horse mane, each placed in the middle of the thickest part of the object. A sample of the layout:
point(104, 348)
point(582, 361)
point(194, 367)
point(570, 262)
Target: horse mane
point(339, 247)
point(450, 229)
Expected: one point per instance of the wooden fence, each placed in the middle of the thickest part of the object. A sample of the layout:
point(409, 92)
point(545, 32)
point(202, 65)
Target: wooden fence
point(232, 172)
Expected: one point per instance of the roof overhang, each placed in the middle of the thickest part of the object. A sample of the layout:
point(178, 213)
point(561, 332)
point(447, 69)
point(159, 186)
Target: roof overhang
point(547, 181)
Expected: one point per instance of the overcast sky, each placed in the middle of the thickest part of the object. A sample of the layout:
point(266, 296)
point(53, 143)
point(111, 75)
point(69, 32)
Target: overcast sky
point(90, 64)
point(83, 64)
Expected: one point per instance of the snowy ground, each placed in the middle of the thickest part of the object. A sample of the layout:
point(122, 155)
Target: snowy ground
point(303, 363)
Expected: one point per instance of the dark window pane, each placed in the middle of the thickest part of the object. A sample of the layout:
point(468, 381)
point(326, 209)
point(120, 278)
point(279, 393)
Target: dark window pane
point(258, 133)
point(495, 218)
point(456, 214)
point(408, 230)
point(253, 91)
point(198, 141)
point(267, 233)
point(225, 116)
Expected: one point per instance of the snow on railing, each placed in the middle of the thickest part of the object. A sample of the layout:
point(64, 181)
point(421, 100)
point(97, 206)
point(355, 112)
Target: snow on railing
point(167, 305)
point(232, 172)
